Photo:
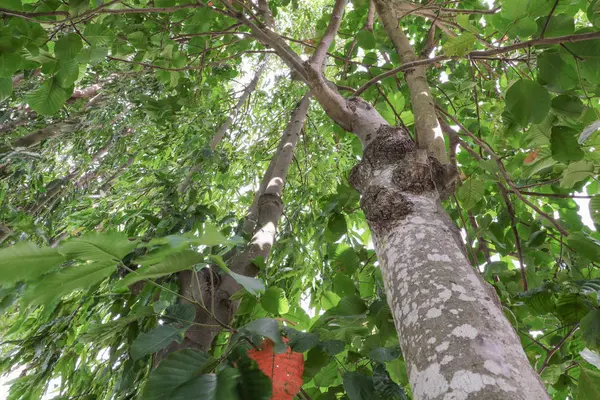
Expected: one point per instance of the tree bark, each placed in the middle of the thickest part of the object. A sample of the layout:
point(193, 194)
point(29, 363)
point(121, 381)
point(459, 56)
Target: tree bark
point(211, 288)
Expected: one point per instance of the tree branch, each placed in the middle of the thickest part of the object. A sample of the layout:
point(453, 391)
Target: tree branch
point(320, 53)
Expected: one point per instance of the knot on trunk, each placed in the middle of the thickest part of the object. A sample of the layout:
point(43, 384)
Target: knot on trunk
point(384, 205)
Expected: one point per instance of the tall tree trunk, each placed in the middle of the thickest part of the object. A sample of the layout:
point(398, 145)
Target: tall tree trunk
point(268, 208)
point(454, 337)
point(456, 342)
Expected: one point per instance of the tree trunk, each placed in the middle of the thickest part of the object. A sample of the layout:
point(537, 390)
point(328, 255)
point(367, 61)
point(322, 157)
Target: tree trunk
point(217, 289)
point(456, 342)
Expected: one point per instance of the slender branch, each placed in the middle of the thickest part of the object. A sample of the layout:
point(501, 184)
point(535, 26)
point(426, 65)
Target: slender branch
point(483, 54)
point(548, 19)
point(556, 348)
point(320, 53)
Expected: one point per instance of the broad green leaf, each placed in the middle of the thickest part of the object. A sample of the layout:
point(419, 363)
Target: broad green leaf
point(254, 286)
point(358, 386)
point(177, 369)
point(301, 341)
point(155, 340)
point(564, 146)
point(349, 305)
point(98, 35)
point(254, 384)
point(346, 260)
point(67, 280)
point(384, 354)
point(68, 46)
point(333, 347)
point(212, 237)
point(176, 262)
point(274, 301)
point(471, 192)
point(9, 64)
point(219, 386)
point(366, 39)
point(528, 102)
point(105, 246)
point(385, 387)
point(336, 227)
point(68, 71)
point(343, 285)
point(567, 106)
point(590, 329)
point(49, 97)
point(181, 315)
point(101, 333)
point(558, 25)
point(25, 261)
point(555, 71)
point(459, 45)
point(589, 385)
point(6, 88)
point(576, 172)
point(517, 9)
point(268, 328)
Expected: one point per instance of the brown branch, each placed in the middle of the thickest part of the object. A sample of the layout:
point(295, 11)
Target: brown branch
point(556, 348)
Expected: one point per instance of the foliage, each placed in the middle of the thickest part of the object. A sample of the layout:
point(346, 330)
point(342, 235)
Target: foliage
point(122, 191)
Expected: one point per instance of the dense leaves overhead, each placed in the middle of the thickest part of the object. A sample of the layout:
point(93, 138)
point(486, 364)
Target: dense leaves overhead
point(109, 189)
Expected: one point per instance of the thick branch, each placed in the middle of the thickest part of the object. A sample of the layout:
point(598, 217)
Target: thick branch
point(320, 53)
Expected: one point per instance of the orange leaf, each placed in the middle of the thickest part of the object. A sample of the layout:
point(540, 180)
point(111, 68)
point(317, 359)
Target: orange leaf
point(531, 157)
point(285, 370)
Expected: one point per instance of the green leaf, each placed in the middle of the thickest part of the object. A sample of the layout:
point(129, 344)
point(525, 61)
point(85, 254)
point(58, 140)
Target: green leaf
point(576, 172)
point(274, 301)
point(105, 246)
point(254, 384)
point(98, 35)
point(588, 131)
point(349, 305)
point(589, 385)
point(459, 45)
point(336, 227)
point(212, 237)
point(528, 102)
point(556, 72)
point(67, 280)
point(471, 192)
point(176, 262)
point(343, 285)
point(6, 88)
point(567, 106)
point(358, 386)
point(25, 261)
point(590, 329)
point(564, 146)
point(181, 315)
point(346, 260)
point(301, 341)
point(177, 369)
point(559, 25)
point(366, 39)
point(68, 71)
point(68, 46)
point(384, 354)
point(590, 356)
point(268, 328)
point(48, 98)
point(254, 286)
point(220, 386)
point(155, 340)
point(9, 64)
point(517, 9)
point(385, 387)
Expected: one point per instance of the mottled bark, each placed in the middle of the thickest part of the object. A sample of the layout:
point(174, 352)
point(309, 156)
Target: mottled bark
point(456, 342)
point(215, 290)
point(53, 130)
point(427, 129)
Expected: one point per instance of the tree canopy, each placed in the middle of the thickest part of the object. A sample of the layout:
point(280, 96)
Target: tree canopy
point(135, 135)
